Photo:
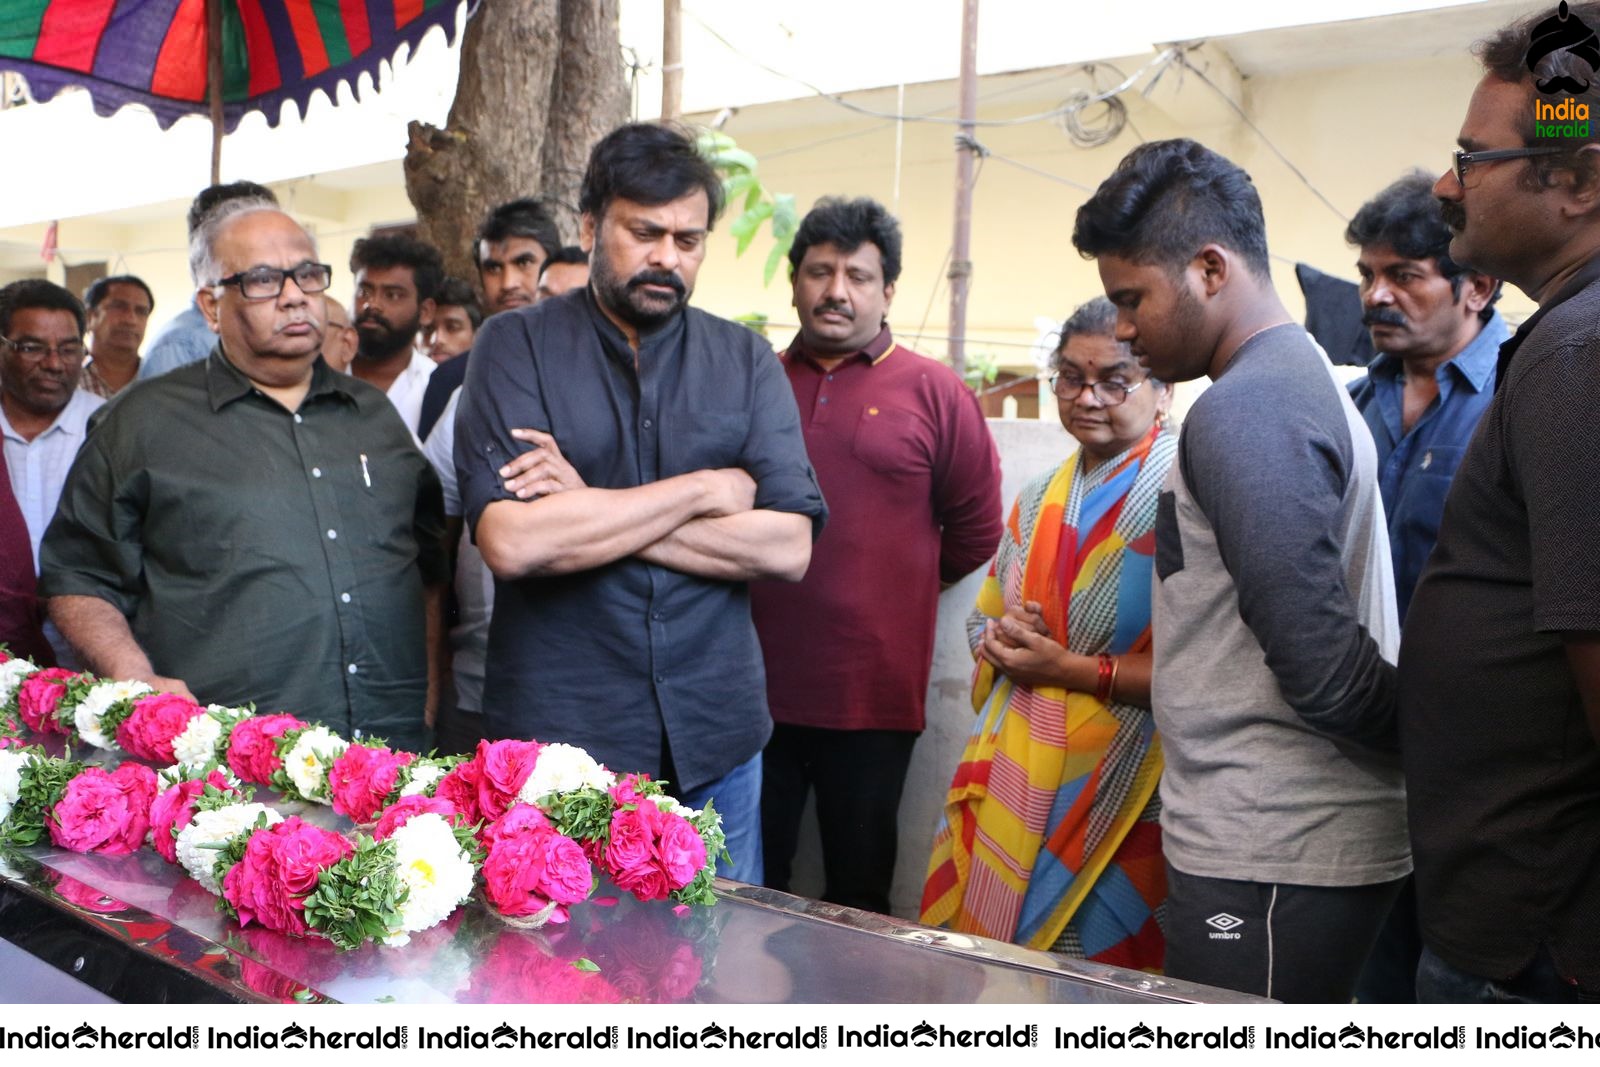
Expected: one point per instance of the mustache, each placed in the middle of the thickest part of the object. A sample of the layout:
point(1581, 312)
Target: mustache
point(835, 306)
point(1561, 83)
point(1382, 317)
point(657, 277)
point(300, 320)
point(1455, 216)
point(375, 318)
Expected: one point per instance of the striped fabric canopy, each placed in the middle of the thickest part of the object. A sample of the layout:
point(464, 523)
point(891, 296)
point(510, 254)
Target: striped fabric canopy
point(153, 52)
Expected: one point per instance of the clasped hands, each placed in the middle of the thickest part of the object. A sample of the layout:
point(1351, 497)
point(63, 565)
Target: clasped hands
point(1020, 645)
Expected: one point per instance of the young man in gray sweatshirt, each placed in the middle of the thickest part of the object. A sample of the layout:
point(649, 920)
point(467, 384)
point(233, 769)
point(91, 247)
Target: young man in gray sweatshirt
point(1283, 809)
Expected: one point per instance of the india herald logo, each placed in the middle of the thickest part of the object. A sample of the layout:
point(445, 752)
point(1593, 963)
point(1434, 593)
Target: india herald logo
point(1224, 927)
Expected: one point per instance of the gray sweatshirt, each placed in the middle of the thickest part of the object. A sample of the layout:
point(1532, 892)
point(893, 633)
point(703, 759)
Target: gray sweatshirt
point(1275, 632)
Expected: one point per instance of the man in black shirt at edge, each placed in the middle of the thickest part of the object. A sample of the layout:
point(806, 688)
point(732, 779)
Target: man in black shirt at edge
point(669, 471)
point(1500, 661)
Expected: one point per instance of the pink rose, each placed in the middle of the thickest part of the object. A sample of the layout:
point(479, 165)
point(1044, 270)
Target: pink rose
point(631, 843)
point(362, 778)
point(396, 814)
point(41, 691)
point(100, 812)
point(506, 766)
point(252, 746)
point(174, 809)
point(460, 787)
point(629, 789)
point(279, 870)
point(682, 851)
point(156, 722)
point(530, 866)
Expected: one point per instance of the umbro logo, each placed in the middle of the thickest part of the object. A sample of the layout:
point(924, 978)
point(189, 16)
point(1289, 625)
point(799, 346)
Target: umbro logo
point(1224, 926)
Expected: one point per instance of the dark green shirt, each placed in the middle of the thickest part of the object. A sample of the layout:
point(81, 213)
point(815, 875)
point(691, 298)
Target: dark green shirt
point(261, 555)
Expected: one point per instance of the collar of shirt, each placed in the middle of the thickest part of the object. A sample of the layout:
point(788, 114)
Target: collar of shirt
point(72, 420)
point(872, 353)
point(1585, 277)
point(1474, 364)
point(226, 383)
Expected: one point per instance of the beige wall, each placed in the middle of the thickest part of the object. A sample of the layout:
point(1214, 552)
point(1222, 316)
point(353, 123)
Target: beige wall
point(1350, 131)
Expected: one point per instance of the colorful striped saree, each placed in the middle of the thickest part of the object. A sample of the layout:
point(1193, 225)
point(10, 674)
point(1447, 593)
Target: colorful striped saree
point(1050, 835)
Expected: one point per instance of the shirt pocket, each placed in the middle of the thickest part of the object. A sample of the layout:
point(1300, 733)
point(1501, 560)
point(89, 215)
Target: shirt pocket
point(1427, 484)
point(707, 440)
point(892, 442)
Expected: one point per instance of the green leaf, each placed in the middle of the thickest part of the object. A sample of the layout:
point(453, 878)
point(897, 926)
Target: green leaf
point(734, 159)
point(745, 226)
point(785, 217)
point(740, 184)
point(585, 965)
point(774, 258)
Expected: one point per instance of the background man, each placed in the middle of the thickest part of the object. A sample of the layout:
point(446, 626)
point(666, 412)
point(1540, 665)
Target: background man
point(44, 416)
point(566, 269)
point(187, 337)
point(255, 527)
point(396, 278)
point(456, 318)
point(1274, 611)
point(340, 339)
point(1437, 335)
point(912, 479)
point(1500, 666)
point(118, 312)
point(670, 472)
point(513, 243)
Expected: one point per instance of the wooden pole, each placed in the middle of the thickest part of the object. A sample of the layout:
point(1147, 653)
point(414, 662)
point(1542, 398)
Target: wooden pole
point(961, 246)
point(671, 60)
point(214, 84)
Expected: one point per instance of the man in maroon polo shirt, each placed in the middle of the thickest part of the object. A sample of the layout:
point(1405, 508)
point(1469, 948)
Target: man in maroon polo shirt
point(912, 481)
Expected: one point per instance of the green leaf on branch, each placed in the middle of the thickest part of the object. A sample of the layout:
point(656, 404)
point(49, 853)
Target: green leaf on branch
point(774, 258)
point(585, 965)
point(785, 218)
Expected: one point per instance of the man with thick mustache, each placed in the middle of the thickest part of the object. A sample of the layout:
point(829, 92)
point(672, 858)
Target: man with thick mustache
point(667, 471)
point(256, 527)
point(1500, 658)
point(913, 483)
point(1438, 335)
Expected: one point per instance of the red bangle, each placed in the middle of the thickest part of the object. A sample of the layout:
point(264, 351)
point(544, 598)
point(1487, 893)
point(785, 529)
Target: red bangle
point(1107, 671)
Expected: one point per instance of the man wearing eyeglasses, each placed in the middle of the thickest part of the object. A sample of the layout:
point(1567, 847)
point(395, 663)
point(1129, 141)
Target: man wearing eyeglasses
point(912, 479)
point(44, 416)
point(1500, 659)
point(256, 527)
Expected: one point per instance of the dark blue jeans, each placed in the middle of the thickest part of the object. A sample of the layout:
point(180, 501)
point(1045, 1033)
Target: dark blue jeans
point(738, 797)
point(1439, 982)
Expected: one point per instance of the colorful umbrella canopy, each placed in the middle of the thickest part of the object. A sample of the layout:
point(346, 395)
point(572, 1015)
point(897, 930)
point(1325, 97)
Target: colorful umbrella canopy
point(155, 52)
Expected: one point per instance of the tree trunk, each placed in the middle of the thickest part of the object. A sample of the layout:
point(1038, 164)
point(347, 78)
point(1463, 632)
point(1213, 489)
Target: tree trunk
point(541, 81)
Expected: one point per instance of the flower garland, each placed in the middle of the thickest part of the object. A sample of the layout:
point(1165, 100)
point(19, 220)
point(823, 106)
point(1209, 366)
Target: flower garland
point(531, 822)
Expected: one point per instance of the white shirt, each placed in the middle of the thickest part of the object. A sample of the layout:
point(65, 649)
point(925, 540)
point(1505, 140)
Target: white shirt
point(405, 392)
point(474, 585)
point(39, 467)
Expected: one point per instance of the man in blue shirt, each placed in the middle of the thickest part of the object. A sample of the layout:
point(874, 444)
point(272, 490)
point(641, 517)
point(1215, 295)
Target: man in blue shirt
point(1438, 338)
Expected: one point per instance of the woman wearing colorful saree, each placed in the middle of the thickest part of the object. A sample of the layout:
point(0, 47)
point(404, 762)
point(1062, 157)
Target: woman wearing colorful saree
point(1051, 836)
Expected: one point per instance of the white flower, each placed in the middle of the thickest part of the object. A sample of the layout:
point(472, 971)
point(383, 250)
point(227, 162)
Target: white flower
point(423, 778)
point(96, 702)
point(12, 761)
point(671, 806)
point(13, 672)
point(196, 746)
point(561, 769)
point(307, 761)
point(434, 868)
point(215, 827)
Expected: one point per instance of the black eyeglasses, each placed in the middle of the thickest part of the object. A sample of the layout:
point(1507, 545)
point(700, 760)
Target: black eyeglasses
point(1464, 159)
point(261, 283)
point(1108, 393)
point(35, 351)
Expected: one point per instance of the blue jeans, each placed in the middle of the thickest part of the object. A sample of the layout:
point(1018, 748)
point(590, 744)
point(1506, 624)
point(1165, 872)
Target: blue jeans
point(1439, 982)
point(738, 797)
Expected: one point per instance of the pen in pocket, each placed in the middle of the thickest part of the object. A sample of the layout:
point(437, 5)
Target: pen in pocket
point(366, 475)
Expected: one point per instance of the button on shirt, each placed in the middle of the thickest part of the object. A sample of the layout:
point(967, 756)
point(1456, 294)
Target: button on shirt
point(231, 533)
point(614, 657)
point(913, 486)
point(1415, 469)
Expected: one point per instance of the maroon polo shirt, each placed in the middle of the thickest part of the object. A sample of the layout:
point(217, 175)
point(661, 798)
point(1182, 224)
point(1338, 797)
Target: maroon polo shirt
point(912, 481)
point(19, 607)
